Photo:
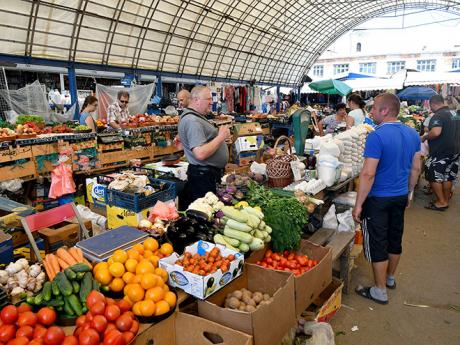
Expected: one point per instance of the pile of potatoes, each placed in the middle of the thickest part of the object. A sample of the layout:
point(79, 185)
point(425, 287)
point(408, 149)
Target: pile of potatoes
point(245, 300)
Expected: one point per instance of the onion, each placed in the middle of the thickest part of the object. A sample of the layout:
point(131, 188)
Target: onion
point(230, 190)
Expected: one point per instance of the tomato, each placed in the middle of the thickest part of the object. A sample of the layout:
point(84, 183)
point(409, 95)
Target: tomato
point(24, 307)
point(37, 341)
point(124, 323)
point(81, 320)
point(109, 301)
point(25, 331)
point(97, 308)
point(264, 264)
point(131, 314)
point(18, 341)
point(113, 337)
point(77, 331)
point(88, 337)
point(27, 319)
point(283, 262)
point(54, 336)
point(46, 316)
point(93, 297)
point(39, 332)
point(291, 256)
point(9, 314)
point(99, 323)
point(70, 340)
point(310, 263)
point(268, 253)
point(89, 317)
point(7, 332)
point(302, 260)
point(135, 327)
point(286, 253)
point(269, 261)
point(276, 257)
point(112, 312)
point(275, 265)
point(128, 336)
point(110, 326)
point(124, 305)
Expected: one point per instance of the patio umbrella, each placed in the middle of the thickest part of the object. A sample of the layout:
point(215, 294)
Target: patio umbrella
point(414, 93)
point(331, 87)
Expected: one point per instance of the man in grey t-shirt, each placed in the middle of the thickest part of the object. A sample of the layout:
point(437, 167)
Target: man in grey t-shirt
point(204, 146)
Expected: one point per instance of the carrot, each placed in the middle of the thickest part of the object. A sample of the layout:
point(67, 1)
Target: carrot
point(79, 253)
point(63, 264)
point(88, 263)
point(64, 255)
point(74, 254)
point(49, 271)
point(54, 264)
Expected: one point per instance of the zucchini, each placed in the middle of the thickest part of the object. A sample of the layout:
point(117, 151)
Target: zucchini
point(243, 248)
point(221, 239)
point(259, 234)
point(86, 286)
point(80, 267)
point(254, 212)
point(232, 213)
point(80, 275)
point(268, 229)
point(238, 226)
point(262, 225)
point(67, 308)
point(64, 285)
point(46, 291)
point(267, 239)
point(55, 288)
point(76, 286)
point(239, 235)
point(256, 244)
point(75, 304)
point(71, 275)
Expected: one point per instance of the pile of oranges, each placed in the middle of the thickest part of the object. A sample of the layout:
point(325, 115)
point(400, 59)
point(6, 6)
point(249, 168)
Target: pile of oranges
point(136, 273)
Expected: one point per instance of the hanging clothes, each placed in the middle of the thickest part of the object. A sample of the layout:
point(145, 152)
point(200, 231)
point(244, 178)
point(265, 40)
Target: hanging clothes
point(243, 99)
point(229, 92)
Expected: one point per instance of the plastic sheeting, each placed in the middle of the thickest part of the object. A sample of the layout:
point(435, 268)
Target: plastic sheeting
point(139, 98)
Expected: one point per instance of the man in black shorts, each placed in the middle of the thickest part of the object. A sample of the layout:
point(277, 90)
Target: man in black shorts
point(386, 184)
point(442, 163)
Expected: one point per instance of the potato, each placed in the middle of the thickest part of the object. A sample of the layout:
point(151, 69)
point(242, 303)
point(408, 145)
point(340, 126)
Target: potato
point(266, 296)
point(250, 308)
point(247, 293)
point(257, 297)
point(237, 294)
point(242, 307)
point(246, 299)
point(233, 303)
point(252, 302)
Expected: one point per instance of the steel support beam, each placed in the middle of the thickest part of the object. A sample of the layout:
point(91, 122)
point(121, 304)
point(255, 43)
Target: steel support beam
point(73, 90)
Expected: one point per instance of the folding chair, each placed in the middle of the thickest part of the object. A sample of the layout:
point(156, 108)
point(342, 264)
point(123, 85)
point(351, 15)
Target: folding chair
point(49, 218)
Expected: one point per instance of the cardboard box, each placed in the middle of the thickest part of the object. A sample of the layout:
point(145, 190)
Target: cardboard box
point(185, 329)
point(65, 233)
point(117, 216)
point(309, 285)
point(202, 286)
point(327, 304)
point(95, 192)
point(259, 323)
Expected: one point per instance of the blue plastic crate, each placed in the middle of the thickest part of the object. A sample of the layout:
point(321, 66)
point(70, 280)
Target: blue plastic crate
point(138, 202)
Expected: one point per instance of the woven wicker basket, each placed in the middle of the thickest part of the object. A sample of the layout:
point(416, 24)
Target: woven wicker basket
point(279, 168)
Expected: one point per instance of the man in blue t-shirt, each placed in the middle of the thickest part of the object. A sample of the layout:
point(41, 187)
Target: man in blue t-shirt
point(387, 181)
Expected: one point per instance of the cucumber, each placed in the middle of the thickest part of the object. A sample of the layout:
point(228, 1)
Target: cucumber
point(96, 285)
point(55, 303)
point(64, 285)
point(60, 309)
point(232, 213)
point(67, 308)
point(80, 275)
point(46, 292)
point(38, 299)
point(76, 286)
point(86, 286)
point(71, 275)
point(75, 304)
point(30, 300)
point(81, 267)
point(239, 235)
point(55, 288)
point(238, 226)
point(243, 248)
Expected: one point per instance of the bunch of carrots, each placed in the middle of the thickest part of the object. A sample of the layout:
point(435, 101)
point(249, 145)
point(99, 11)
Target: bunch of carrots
point(63, 259)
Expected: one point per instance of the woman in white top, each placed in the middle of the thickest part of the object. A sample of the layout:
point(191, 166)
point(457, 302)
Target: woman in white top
point(357, 115)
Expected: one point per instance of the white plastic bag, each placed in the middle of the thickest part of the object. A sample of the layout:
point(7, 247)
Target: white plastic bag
point(329, 148)
point(330, 219)
point(346, 222)
point(321, 332)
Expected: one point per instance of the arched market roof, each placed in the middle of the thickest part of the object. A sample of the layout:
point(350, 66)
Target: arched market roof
point(269, 41)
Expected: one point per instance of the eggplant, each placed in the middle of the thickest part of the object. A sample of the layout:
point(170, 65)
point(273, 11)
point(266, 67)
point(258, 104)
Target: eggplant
point(197, 215)
point(190, 231)
point(201, 236)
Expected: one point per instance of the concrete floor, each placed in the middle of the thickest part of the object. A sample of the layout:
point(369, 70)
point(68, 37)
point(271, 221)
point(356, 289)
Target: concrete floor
point(428, 274)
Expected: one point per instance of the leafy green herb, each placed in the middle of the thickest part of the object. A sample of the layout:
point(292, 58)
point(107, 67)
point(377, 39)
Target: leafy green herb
point(258, 195)
point(29, 118)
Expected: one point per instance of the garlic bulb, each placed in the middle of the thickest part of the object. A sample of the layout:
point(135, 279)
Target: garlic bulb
point(24, 263)
point(13, 268)
point(38, 286)
point(34, 270)
point(22, 278)
point(11, 283)
point(31, 284)
point(41, 277)
point(3, 277)
point(17, 291)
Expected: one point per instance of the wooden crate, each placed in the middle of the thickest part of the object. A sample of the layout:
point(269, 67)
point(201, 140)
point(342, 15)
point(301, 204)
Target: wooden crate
point(143, 153)
point(118, 146)
point(26, 170)
point(43, 150)
point(161, 151)
point(82, 144)
point(13, 154)
point(116, 158)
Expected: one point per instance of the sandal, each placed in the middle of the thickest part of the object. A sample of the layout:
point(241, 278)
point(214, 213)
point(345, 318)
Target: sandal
point(433, 207)
point(366, 293)
point(432, 202)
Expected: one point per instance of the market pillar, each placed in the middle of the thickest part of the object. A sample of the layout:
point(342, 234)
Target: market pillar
point(159, 87)
point(73, 89)
point(278, 101)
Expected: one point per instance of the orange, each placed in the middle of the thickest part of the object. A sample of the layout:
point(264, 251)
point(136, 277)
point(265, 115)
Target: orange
point(160, 281)
point(151, 244)
point(166, 249)
point(110, 261)
point(120, 256)
point(147, 308)
point(165, 288)
point(135, 292)
point(154, 260)
point(126, 298)
point(137, 309)
point(147, 253)
point(139, 247)
point(170, 298)
point(133, 254)
point(103, 276)
point(117, 285)
point(145, 266)
point(128, 277)
point(162, 273)
point(137, 279)
point(162, 307)
point(148, 280)
point(101, 265)
point(155, 294)
point(131, 265)
point(117, 269)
